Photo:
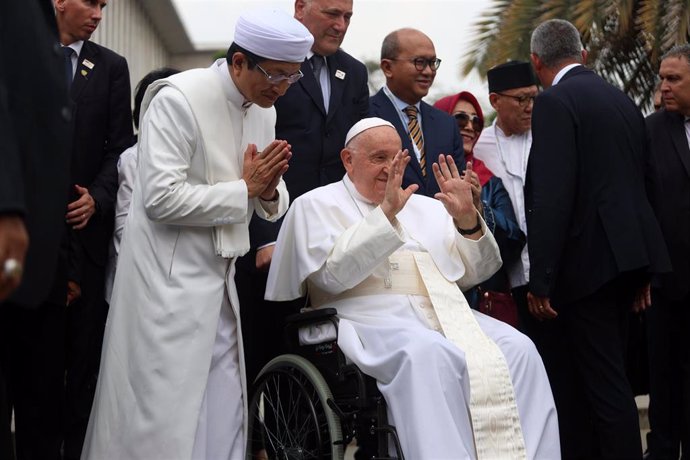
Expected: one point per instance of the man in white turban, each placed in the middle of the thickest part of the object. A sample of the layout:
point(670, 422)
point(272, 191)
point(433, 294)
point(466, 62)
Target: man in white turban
point(459, 384)
point(171, 379)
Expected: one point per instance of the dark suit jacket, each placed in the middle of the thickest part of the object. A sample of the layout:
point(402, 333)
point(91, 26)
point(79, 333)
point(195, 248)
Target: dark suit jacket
point(316, 137)
point(588, 216)
point(669, 193)
point(441, 135)
point(102, 130)
point(34, 137)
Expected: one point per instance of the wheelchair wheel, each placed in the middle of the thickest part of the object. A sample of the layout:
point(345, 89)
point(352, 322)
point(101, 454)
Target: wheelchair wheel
point(289, 417)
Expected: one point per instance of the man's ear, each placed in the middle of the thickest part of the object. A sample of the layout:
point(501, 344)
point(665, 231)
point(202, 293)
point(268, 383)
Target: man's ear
point(386, 67)
point(493, 100)
point(346, 158)
point(299, 9)
point(59, 4)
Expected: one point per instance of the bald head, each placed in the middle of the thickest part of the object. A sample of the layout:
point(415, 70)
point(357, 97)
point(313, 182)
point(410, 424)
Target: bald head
point(409, 63)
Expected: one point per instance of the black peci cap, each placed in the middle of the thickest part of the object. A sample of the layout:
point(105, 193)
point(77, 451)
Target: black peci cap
point(513, 74)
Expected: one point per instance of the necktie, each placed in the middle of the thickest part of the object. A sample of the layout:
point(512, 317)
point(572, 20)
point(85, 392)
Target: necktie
point(317, 63)
point(69, 73)
point(416, 135)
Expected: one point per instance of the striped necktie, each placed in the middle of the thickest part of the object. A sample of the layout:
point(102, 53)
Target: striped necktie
point(416, 135)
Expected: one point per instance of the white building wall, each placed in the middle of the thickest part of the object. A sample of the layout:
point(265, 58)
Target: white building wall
point(127, 30)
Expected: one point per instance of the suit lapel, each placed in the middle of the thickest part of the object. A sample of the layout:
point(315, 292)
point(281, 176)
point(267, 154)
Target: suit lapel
point(87, 64)
point(389, 112)
point(337, 84)
point(310, 86)
point(680, 140)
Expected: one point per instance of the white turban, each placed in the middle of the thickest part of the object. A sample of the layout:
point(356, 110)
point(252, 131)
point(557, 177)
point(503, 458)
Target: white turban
point(364, 124)
point(273, 34)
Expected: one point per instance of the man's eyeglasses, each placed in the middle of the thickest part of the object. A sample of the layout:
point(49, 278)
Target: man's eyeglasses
point(421, 63)
point(279, 78)
point(523, 100)
point(463, 118)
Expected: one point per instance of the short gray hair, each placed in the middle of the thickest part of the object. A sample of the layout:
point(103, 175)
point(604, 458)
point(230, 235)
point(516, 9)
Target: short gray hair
point(555, 41)
point(678, 51)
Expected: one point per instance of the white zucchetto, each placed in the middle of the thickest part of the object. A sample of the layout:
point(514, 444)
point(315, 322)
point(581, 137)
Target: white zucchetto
point(364, 124)
point(273, 34)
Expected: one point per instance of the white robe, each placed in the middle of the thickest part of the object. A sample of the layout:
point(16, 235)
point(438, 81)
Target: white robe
point(506, 157)
point(422, 375)
point(171, 383)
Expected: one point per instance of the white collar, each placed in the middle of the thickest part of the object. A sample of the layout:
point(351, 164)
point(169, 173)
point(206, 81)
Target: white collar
point(562, 72)
point(232, 93)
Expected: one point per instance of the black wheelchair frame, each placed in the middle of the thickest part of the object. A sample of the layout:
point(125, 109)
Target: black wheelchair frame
point(311, 403)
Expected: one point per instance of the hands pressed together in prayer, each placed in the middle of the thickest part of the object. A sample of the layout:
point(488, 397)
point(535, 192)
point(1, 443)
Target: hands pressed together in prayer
point(262, 170)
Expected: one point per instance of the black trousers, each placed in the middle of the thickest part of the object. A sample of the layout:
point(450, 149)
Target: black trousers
point(584, 352)
point(85, 327)
point(668, 328)
point(32, 348)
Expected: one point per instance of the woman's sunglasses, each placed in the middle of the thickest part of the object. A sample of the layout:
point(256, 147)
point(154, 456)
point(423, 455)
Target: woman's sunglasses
point(463, 118)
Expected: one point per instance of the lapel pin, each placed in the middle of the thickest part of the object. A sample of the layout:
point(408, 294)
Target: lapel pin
point(84, 73)
point(339, 74)
point(88, 63)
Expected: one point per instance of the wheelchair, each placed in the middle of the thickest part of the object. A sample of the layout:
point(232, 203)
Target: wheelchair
point(311, 403)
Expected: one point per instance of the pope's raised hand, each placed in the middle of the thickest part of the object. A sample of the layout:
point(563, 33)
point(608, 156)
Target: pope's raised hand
point(396, 197)
point(456, 193)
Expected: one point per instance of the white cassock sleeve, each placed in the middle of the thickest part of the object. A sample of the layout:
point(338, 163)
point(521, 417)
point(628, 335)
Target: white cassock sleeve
point(168, 141)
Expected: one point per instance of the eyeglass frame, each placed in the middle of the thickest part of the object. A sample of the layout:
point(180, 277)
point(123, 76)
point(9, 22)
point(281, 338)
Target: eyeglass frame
point(424, 62)
point(521, 100)
point(279, 78)
point(476, 121)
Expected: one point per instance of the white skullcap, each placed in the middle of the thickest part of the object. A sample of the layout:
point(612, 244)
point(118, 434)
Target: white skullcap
point(273, 34)
point(364, 124)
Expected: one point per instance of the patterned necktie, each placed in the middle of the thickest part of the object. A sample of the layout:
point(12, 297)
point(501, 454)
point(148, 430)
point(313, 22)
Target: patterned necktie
point(69, 73)
point(416, 135)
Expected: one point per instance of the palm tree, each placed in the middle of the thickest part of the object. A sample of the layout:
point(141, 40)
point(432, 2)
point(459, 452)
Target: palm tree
point(625, 38)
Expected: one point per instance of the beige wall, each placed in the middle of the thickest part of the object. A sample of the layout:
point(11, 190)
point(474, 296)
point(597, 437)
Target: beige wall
point(127, 30)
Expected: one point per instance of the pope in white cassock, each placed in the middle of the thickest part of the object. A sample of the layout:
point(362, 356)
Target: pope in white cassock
point(171, 379)
point(458, 384)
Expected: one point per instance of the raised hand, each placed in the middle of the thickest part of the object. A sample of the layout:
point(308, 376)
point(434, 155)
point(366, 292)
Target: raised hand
point(262, 171)
point(396, 197)
point(456, 192)
point(473, 178)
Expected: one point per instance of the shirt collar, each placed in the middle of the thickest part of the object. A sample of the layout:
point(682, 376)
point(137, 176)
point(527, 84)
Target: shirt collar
point(232, 93)
point(397, 102)
point(76, 46)
point(562, 72)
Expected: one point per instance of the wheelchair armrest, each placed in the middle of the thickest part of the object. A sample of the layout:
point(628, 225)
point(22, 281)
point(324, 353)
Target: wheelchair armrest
point(309, 317)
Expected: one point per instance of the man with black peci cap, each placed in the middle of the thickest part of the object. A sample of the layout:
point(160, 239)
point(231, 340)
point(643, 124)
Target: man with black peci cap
point(504, 147)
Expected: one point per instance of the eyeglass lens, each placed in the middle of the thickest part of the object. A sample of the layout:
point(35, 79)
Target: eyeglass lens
point(463, 118)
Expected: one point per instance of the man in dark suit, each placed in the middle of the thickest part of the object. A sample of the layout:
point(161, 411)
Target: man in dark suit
point(102, 130)
point(409, 63)
point(34, 135)
point(668, 318)
point(313, 116)
point(593, 239)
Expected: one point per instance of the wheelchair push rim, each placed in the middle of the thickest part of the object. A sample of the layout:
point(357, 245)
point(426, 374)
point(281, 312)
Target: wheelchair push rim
point(289, 416)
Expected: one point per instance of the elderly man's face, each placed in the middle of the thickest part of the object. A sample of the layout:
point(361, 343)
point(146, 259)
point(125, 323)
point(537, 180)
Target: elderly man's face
point(79, 18)
point(514, 108)
point(368, 159)
point(255, 85)
point(327, 20)
point(675, 84)
point(402, 77)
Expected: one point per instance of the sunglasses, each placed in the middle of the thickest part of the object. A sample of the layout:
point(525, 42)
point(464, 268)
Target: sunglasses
point(463, 118)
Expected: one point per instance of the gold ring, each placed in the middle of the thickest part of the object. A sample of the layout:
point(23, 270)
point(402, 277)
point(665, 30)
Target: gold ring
point(12, 269)
point(541, 307)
